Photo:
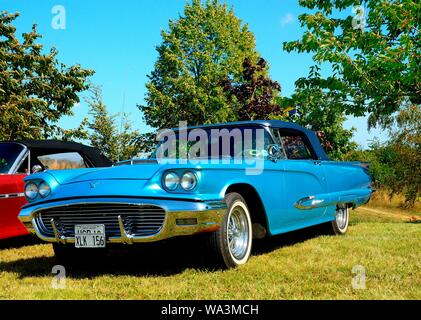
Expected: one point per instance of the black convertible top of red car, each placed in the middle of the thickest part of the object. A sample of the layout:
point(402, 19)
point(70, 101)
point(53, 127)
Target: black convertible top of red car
point(56, 146)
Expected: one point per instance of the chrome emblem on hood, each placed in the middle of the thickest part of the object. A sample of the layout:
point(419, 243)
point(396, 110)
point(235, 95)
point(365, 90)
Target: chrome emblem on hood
point(93, 184)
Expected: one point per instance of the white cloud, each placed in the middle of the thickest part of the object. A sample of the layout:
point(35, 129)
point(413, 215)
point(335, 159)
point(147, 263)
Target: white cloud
point(287, 19)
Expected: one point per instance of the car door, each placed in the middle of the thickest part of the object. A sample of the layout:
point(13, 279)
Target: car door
point(11, 200)
point(304, 179)
point(11, 189)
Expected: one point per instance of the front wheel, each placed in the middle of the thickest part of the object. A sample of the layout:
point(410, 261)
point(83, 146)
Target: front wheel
point(232, 242)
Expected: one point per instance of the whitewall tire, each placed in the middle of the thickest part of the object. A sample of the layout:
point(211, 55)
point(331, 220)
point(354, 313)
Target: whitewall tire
point(341, 222)
point(232, 243)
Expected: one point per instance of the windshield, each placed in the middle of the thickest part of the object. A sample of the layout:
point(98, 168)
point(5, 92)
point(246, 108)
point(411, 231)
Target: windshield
point(207, 143)
point(9, 152)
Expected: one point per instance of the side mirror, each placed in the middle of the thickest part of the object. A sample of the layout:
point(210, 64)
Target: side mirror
point(36, 168)
point(274, 152)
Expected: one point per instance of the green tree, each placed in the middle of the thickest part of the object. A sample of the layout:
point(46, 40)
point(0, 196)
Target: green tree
point(376, 67)
point(406, 142)
point(320, 111)
point(382, 158)
point(36, 90)
point(395, 164)
point(205, 45)
point(255, 93)
point(116, 141)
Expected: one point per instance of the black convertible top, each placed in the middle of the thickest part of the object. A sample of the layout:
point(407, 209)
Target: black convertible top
point(93, 155)
point(311, 135)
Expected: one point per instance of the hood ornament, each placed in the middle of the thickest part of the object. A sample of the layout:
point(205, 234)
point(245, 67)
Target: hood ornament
point(93, 184)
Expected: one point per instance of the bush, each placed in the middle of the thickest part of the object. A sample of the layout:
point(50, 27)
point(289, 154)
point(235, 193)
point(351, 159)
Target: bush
point(394, 166)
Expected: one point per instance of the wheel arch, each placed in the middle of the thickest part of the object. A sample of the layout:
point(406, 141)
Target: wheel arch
point(253, 200)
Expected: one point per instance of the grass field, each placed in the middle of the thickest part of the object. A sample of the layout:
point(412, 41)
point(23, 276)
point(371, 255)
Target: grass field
point(299, 265)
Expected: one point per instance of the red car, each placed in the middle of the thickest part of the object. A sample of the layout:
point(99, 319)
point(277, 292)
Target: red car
point(21, 158)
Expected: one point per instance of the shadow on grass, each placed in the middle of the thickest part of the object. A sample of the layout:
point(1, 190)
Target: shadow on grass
point(270, 244)
point(19, 242)
point(155, 259)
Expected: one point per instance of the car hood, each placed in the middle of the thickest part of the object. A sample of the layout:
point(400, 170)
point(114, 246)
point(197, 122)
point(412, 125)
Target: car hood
point(125, 172)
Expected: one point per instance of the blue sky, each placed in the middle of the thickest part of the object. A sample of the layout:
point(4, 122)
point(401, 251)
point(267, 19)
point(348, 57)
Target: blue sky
point(117, 39)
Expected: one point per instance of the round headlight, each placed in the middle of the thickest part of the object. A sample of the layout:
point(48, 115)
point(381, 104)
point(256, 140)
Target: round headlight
point(44, 189)
point(31, 191)
point(188, 181)
point(171, 181)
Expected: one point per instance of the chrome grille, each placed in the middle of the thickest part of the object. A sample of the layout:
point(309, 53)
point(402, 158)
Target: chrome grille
point(139, 220)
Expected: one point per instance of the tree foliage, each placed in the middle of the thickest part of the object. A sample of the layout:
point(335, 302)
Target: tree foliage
point(395, 164)
point(406, 142)
point(376, 70)
point(36, 90)
point(104, 130)
point(320, 111)
point(205, 45)
point(255, 93)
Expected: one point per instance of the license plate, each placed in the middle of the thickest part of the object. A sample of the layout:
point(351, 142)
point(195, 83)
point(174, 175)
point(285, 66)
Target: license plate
point(90, 236)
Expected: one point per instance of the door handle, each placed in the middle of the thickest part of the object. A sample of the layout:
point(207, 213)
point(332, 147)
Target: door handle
point(318, 163)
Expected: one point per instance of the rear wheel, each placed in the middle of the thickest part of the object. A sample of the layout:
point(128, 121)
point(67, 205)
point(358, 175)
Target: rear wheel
point(232, 242)
point(339, 226)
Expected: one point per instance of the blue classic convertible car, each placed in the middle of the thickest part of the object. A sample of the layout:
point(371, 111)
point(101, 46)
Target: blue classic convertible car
point(234, 181)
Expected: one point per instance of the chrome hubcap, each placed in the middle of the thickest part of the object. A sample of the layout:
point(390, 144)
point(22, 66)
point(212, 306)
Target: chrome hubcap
point(342, 218)
point(238, 233)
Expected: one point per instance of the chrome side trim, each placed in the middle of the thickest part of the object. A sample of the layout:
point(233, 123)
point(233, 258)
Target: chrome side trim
point(354, 198)
point(12, 195)
point(315, 203)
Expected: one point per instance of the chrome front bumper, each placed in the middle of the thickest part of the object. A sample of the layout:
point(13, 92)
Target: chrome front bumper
point(207, 216)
